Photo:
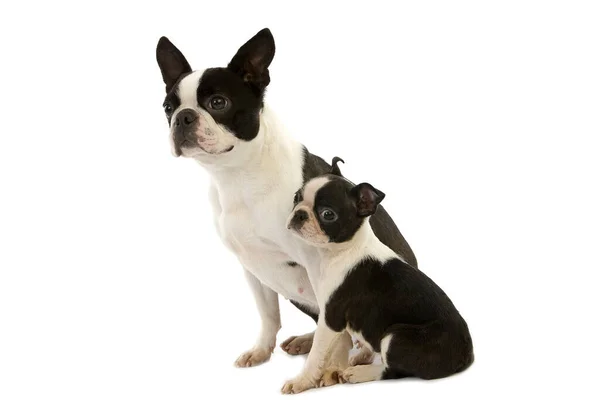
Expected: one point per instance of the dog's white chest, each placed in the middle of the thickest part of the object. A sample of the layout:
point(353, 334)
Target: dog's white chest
point(255, 231)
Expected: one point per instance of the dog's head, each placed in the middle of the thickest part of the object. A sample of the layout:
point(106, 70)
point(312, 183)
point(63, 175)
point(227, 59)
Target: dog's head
point(331, 209)
point(214, 114)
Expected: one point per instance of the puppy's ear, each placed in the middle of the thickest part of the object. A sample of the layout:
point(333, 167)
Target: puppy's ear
point(367, 199)
point(171, 62)
point(335, 170)
point(252, 60)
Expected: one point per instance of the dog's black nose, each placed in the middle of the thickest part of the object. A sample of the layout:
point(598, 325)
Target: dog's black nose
point(186, 117)
point(298, 219)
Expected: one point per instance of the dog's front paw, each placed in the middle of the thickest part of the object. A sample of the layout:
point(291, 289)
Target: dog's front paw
point(296, 345)
point(256, 356)
point(297, 385)
point(331, 376)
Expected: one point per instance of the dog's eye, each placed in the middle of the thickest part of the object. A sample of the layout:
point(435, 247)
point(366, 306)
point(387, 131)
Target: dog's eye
point(297, 198)
point(217, 103)
point(168, 109)
point(328, 215)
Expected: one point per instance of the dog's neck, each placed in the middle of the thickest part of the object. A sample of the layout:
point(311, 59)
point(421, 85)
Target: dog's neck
point(268, 167)
point(258, 157)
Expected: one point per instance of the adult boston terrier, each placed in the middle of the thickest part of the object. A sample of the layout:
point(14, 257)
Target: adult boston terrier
point(217, 117)
point(366, 289)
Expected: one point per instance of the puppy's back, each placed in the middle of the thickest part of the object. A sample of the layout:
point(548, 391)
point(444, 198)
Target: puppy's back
point(380, 294)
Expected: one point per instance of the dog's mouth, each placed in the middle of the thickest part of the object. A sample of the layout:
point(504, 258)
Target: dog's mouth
point(227, 150)
point(187, 144)
point(216, 153)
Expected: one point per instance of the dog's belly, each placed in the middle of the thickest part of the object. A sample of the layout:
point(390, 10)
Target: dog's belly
point(258, 245)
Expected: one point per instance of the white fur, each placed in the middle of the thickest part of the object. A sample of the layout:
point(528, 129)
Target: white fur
point(251, 196)
point(311, 189)
point(385, 345)
point(327, 345)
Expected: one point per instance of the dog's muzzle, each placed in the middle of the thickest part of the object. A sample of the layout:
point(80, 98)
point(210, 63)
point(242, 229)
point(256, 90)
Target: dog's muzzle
point(184, 131)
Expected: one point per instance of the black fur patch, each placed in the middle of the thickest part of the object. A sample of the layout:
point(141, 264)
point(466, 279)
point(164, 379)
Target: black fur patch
point(430, 338)
point(335, 195)
point(313, 166)
point(241, 116)
point(335, 169)
point(252, 60)
point(173, 65)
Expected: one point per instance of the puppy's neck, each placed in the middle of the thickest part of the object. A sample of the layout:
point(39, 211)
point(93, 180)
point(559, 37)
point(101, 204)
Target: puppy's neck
point(363, 244)
point(363, 239)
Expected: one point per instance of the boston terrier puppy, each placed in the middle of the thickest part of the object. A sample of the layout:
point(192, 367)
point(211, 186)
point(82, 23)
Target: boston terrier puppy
point(218, 118)
point(366, 289)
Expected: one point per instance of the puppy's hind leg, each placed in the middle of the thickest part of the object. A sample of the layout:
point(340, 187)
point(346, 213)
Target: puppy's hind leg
point(363, 373)
point(374, 372)
point(364, 356)
point(429, 351)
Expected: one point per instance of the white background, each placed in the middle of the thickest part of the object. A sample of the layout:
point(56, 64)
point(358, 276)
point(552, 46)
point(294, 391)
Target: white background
point(479, 120)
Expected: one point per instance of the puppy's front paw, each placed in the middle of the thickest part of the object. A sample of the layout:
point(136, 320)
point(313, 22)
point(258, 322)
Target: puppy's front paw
point(254, 357)
point(331, 376)
point(297, 385)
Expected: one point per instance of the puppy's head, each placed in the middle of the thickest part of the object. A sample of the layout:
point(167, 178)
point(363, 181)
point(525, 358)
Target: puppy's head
point(331, 209)
point(214, 114)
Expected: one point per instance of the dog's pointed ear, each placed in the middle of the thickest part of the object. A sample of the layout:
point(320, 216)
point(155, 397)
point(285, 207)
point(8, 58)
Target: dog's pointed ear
point(367, 199)
point(335, 170)
point(252, 60)
point(171, 62)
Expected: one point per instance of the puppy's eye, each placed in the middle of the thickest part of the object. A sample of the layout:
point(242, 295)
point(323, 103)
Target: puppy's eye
point(328, 215)
point(218, 103)
point(168, 109)
point(297, 198)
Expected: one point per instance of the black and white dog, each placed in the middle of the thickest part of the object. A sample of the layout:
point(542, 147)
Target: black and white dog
point(367, 290)
point(218, 118)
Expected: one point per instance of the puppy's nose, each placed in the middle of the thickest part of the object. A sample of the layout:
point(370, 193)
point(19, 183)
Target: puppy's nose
point(186, 117)
point(298, 219)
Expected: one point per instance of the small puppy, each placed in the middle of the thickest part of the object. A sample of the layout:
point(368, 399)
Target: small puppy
point(369, 291)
